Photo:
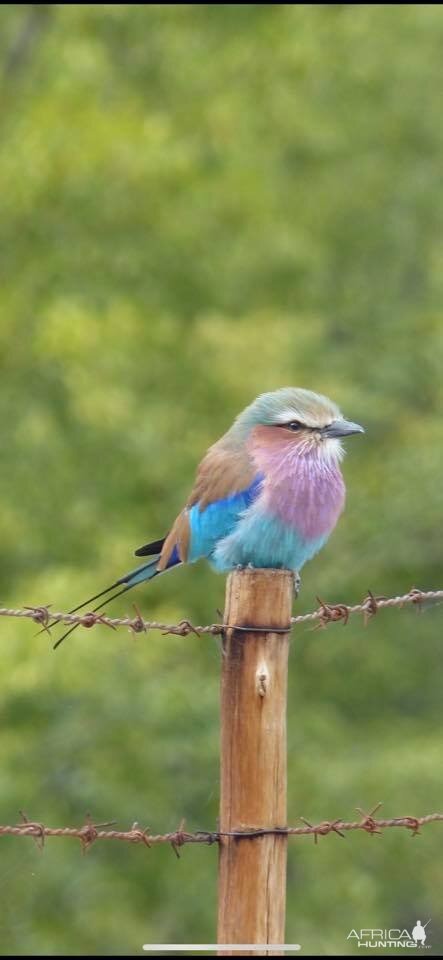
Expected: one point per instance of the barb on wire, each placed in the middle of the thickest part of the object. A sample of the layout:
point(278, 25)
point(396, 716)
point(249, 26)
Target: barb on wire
point(325, 614)
point(91, 832)
point(332, 612)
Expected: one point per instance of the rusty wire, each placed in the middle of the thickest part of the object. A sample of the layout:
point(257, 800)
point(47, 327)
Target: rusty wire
point(325, 614)
point(90, 832)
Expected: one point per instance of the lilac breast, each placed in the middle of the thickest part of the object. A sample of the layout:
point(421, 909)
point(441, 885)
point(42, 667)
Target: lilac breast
point(302, 487)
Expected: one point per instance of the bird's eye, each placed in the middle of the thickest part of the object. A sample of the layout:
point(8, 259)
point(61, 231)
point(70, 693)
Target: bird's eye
point(295, 425)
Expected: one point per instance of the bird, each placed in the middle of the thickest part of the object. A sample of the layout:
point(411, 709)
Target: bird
point(267, 494)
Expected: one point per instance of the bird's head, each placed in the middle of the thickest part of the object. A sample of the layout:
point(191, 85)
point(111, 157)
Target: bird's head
point(292, 417)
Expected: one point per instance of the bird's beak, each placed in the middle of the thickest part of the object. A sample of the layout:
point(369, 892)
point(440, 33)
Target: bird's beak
point(341, 428)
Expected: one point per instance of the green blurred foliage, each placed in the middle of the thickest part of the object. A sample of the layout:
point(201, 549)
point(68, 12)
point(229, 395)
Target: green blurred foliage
point(200, 203)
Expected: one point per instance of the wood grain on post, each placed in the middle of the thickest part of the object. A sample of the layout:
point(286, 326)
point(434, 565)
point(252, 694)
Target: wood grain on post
point(252, 872)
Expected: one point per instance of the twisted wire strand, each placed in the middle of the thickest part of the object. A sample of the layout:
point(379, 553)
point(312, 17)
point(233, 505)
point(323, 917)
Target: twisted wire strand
point(324, 615)
point(91, 832)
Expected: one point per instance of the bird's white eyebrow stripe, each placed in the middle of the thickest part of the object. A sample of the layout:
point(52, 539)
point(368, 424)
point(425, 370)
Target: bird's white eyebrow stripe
point(289, 415)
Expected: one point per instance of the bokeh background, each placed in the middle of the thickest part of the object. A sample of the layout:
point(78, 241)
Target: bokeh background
point(200, 203)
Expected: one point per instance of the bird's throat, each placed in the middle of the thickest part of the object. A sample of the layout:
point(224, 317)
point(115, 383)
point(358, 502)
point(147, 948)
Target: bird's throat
point(303, 485)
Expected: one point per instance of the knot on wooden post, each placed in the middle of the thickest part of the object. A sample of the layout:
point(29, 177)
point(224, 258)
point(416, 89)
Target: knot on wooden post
point(262, 679)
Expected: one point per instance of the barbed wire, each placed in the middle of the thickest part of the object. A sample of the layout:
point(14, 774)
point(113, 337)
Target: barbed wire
point(325, 614)
point(90, 832)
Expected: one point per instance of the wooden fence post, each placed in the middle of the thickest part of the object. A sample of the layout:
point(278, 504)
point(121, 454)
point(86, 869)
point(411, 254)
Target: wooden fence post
point(252, 872)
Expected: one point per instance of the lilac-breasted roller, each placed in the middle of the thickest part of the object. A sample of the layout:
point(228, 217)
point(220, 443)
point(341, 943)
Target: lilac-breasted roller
point(267, 494)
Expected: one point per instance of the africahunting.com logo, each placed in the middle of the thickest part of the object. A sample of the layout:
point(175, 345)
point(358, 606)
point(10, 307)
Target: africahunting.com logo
point(395, 938)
